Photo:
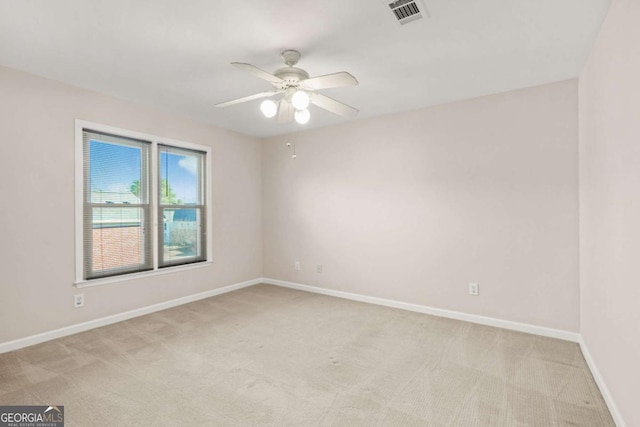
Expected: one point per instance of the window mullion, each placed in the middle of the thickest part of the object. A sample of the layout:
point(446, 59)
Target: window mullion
point(153, 200)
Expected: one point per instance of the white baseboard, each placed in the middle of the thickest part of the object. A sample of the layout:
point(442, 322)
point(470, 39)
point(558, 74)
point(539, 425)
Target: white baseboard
point(617, 417)
point(489, 321)
point(482, 320)
point(104, 321)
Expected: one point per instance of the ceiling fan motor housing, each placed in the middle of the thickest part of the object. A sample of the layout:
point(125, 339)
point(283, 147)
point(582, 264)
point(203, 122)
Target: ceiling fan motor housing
point(291, 75)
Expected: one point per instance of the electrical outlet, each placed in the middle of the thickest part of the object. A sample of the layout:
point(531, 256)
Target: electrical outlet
point(474, 289)
point(319, 268)
point(296, 266)
point(78, 300)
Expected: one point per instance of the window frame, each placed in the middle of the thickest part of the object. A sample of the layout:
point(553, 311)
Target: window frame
point(201, 207)
point(80, 127)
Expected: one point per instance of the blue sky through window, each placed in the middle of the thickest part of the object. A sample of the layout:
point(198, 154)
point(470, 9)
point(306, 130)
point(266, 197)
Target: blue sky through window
point(115, 167)
point(181, 172)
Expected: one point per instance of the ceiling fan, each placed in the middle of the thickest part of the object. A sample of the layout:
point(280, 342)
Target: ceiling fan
point(294, 91)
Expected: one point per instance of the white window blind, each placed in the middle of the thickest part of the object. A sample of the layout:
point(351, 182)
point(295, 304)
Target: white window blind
point(181, 209)
point(117, 211)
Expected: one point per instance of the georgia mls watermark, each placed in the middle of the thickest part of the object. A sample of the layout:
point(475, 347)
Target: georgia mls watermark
point(31, 416)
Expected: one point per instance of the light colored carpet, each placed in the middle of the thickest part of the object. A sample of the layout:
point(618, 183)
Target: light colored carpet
point(271, 356)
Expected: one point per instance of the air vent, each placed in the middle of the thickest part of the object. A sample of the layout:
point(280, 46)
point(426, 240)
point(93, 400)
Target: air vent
point(406, 11)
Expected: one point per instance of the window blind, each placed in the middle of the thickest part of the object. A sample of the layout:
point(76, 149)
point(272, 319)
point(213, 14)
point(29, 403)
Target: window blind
point(181, 208)
point(116, 205)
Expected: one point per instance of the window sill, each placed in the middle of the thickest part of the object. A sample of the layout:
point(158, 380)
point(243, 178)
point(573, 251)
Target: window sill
point(125, 277)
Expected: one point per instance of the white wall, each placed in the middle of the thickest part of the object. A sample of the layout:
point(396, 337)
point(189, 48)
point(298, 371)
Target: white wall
point(414, 206)
point(409, 207)
point(610, 205)
point(37, 206)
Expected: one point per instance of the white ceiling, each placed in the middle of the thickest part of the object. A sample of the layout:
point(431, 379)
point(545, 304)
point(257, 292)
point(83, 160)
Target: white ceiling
point(175, 55)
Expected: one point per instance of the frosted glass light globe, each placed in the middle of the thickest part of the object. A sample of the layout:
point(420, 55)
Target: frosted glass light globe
point(302, 116)
point(269, 108)
point(300, 100)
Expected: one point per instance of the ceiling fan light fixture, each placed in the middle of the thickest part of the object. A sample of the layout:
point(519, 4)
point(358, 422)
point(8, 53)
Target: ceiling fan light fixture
point(302, 116)
point(294, 90)
point(300, 100)
point(269, 108)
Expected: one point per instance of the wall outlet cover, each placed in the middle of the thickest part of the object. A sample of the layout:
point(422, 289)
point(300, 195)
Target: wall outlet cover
point(474, 289)
point(78, 300)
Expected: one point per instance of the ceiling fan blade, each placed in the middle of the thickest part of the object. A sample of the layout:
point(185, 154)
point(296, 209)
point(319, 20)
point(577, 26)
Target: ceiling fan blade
point(257, 72)
point(333, 106)
point(245, 99)
point(285, 112)
point(340, 79)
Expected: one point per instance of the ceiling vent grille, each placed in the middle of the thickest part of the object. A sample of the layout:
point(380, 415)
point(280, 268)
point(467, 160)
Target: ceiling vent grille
point(406, 11)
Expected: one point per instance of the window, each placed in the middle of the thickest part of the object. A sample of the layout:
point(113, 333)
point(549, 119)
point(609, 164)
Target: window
point(116, 212)
point(142, 203)
point(182, 206)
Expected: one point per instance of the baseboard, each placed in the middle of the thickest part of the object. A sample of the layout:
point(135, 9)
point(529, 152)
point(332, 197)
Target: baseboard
point(104, 321)
point(482, 320)
point(613, 409)
point(489, 321)
point(92, 324)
